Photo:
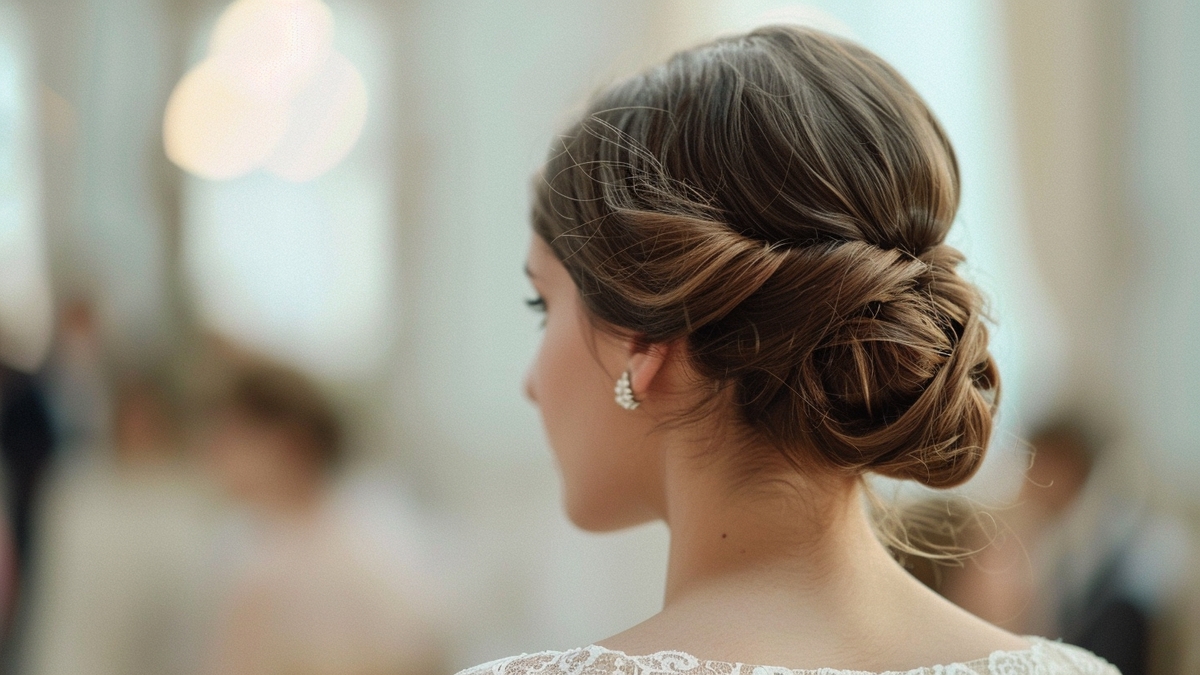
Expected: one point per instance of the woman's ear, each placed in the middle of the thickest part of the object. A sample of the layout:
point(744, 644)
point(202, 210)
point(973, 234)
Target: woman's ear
point(646, 366)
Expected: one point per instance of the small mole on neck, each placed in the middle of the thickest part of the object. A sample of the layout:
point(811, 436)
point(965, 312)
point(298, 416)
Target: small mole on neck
point(723, 535)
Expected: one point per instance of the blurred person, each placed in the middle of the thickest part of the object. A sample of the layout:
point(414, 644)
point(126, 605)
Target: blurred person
point(1077, 557)
point(120, 569)
point(1000, 582)
point(748, 240)
point(27, 447)
point(77, 385)
point(63, 406)
point(1096, 608)
point(8, 579)
point(29, 439)
point(27, 444)
point(316, 594)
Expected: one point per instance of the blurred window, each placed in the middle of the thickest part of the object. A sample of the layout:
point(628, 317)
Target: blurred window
point(305, 271)
point(25, 304)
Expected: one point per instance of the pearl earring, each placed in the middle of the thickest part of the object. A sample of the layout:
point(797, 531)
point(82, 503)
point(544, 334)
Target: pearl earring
point(624, 393)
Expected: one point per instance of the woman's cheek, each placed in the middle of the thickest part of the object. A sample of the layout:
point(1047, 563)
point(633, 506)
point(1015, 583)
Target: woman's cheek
point(550, 380)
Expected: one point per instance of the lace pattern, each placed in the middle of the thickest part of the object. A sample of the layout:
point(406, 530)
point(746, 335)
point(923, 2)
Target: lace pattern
point(1044, 657)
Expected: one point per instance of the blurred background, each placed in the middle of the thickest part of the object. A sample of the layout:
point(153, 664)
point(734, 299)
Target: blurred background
point(262, 321)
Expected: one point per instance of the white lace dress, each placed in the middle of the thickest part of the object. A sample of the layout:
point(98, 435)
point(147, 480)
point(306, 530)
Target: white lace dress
point(1043, 657)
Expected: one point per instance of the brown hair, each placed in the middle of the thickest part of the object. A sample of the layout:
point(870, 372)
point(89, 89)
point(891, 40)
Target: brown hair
point(280, 397)
point(780, 200)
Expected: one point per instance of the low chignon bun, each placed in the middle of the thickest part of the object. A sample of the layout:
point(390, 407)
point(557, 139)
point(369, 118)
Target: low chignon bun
point(780, 200)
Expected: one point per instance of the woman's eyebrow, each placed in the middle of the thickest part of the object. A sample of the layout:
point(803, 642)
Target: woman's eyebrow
point(528, 272)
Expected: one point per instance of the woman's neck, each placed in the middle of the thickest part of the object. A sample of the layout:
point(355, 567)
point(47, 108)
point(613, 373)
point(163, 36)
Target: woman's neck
point(789, 572)
point(812, 533)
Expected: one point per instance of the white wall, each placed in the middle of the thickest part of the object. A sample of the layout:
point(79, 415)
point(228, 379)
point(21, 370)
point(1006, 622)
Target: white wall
point(1162, 366)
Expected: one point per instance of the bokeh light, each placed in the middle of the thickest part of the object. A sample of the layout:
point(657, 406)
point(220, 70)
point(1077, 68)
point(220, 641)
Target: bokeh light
point(214, 130)
point(326, 120)
point(273, 48)
point(272, 93)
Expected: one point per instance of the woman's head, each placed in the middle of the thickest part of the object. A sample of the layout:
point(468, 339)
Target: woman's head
point(772, 207)
point(275, 440)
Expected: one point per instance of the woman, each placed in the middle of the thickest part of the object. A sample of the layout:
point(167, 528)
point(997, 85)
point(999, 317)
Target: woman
point(748, 241)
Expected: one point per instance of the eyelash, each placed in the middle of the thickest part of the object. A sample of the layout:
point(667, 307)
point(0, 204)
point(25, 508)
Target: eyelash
point(538, 304)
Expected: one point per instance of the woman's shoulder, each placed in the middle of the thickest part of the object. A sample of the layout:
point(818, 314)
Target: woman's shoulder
point(1043, 657)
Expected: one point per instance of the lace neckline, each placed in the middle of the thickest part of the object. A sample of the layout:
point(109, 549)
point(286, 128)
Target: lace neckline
point(1031, 653)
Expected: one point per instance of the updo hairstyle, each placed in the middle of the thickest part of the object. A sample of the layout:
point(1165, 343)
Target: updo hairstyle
point(779, 200)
